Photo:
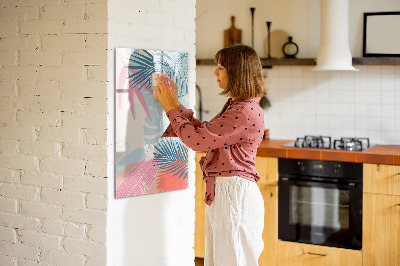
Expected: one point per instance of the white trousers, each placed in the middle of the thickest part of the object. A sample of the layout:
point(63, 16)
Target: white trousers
point(234, 223)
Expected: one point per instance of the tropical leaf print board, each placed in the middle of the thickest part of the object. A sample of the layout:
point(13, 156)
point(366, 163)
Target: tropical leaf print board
point(145, 163)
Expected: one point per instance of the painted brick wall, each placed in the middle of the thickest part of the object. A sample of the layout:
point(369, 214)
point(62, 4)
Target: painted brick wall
point(53, 110)
point(155, 229)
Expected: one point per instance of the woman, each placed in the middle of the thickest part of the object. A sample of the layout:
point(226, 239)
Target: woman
point(235, 207)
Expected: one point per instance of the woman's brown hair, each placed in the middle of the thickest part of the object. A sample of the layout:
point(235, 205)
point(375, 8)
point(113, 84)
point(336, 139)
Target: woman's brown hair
point(245, 78)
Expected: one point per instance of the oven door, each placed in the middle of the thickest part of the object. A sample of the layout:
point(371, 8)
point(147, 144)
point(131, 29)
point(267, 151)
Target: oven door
point(321, 212)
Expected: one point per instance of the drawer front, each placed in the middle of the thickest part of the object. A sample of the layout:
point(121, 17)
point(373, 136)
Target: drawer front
point(381, 179)
point(293, 254)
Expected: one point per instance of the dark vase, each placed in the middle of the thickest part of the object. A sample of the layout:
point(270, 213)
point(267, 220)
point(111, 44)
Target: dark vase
point(290, 49)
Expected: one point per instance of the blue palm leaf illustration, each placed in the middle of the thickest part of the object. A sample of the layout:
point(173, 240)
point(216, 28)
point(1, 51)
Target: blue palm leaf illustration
point(142, 65)
point(171, 157)
point(140, 68)
point(175, 65)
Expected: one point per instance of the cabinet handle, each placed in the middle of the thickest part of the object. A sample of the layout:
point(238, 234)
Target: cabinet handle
point(398, 204)
point(318, 254)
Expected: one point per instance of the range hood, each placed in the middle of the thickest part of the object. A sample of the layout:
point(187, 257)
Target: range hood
point(334, 51)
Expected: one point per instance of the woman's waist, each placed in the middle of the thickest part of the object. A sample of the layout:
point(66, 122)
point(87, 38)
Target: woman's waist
point(249, 175)
point(234, 178)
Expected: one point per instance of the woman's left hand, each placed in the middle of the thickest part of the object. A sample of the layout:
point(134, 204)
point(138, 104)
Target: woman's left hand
point(164, 94)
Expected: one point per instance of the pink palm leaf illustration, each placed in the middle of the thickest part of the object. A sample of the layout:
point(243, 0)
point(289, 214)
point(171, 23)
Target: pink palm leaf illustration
point(168, 182)
point(139, 178)
point(138, 72)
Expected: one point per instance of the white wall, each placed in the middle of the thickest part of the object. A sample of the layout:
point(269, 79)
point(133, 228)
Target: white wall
point(338, 104)
point(156, 229)
point(299, 18)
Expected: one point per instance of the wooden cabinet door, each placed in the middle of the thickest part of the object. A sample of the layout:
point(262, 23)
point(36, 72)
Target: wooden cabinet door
point(381, 179)
point(200, 207)
point(298, 254)
point(381, 230)
point(270, 233)
point(267, 168)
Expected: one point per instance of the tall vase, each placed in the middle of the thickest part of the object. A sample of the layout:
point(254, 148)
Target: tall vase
point(269, 38)
point(252, 9)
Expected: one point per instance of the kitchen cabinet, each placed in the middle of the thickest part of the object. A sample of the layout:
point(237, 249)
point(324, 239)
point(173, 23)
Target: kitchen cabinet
point(270, 233)
point(298, 254)
point(267, 168)
point(381, 230)
point(200, 207)
point(381, 215)
point(381, 179)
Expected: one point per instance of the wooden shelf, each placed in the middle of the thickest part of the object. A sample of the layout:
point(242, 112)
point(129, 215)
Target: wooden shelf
point(376, 61)
point(312, 61)
point(288, 62)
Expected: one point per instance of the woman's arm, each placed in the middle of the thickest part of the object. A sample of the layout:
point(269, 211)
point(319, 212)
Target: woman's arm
point(225, 130)
point(228, 129)
point(187, 113)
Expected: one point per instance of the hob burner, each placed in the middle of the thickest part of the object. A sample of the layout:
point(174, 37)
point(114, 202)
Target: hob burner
point(351, 144)
point(324, 142)
point(321, 142)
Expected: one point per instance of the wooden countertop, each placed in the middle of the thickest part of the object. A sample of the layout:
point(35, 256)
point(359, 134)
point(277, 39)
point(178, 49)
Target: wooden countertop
point(379, 154)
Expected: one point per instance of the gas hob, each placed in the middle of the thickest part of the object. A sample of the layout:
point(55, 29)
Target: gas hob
point(325, 142)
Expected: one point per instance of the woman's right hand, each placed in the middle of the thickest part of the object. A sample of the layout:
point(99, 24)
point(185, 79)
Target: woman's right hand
point(174, 89)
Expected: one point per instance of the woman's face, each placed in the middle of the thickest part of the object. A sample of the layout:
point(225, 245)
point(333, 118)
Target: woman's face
point(222, 76)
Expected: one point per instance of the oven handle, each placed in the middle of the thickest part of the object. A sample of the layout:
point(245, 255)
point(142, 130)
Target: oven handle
point(297, 181)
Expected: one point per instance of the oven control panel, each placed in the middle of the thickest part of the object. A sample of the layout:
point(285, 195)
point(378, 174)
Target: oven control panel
point(331, 169)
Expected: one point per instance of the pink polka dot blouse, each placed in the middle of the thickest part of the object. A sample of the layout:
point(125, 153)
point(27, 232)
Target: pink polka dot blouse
point(231, 139)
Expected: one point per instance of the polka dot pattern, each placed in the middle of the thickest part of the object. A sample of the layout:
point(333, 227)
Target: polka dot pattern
point(231, 138)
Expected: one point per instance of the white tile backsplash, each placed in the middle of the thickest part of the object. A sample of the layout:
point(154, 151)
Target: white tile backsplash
point(388, 97)
point(361, 110)
point(387, 124)
point(388, 83)
point(361, 124)
point(388, 110)
point(374, 97)
point(364, 103)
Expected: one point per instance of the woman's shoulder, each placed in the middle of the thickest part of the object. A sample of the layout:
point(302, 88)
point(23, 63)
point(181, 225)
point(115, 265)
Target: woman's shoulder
point(249, 104)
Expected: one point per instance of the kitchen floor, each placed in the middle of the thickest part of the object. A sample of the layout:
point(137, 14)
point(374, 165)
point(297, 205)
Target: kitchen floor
point(198, 262)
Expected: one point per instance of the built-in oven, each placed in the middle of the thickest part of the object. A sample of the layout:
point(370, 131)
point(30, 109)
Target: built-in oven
point(320, 202)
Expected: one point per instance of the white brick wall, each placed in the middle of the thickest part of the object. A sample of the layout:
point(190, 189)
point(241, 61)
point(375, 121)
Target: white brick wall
point(53, 109)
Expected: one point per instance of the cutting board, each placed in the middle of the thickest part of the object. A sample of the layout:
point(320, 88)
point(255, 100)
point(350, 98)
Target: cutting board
point(232, 35)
